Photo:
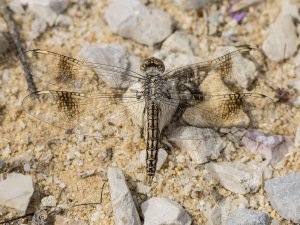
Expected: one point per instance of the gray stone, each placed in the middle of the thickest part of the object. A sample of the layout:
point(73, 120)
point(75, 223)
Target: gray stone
point(108, 54)
point(7, 151)
point(142, 188)
point(296, 101)
point(180, 42)
point(282, 35)
point(4, 44)
point(192, 4)
point(132, 19)
point(173, 60)
point(297, 71)
point(295, 83)
point(219, 213)
point(63, 20)
point(237, 177)
point(247, 217)
point(161, 158)
point(273, 148)
point(125, 212)
point(38, 27)
point(202, 145)
point(26, 167)
point(297, 136)
point(48, 9)
point(243, 70)
point(159, 211)
point(2, 164)
point(16, 191)
point(6, 75)
point(49, 201)
point(283, 193)
point(58, 6)
point(16, 6)
point(213, 22)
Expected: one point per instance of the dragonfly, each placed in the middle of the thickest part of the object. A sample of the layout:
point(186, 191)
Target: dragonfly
point(80, 102)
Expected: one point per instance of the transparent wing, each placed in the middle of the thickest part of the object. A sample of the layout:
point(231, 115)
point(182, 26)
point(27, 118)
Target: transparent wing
point(66, 73)
point(101, 116)
point(220, 110)
point(222, 65)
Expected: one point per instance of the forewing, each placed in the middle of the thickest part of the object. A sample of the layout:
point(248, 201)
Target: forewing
point(222, 65)
point(66, 73)
point(101, 116)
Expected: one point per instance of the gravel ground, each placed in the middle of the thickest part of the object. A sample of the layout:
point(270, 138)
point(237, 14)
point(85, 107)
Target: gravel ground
point(75, 167)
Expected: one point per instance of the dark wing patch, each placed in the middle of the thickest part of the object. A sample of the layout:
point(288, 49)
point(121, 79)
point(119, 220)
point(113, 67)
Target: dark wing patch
point(104, 115)
point(222, 65)
point(219, 110)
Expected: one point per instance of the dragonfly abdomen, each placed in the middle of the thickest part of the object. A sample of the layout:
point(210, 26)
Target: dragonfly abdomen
point(152, 137)
point(152, 95)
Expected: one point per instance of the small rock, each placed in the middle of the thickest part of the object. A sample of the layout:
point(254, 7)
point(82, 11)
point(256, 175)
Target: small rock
point(108, 54)
point(142, 188)
point(282, 36)
point(2, 164)
point(38, 27)
point(16, 191)
point(237, 178)
point(63, 20)
point(180, 42)
point(296, 101)
point(161, 158)
point(123, 206)
point(273, 148)
point(6, 75)
point(247, 217)
point(225, 130)
point(202, 145)
point(132, 19)
point(283, 193)
point(87, 173)
point(26, 167)
point(58, 6)
point(290, 9)
point(192, 4)
point(158, 211)
point(243, 70)
point(16, 6)
point(296, 59)
point(213, 23)
point(4, 45)
point(62, 220)
point(297, 73)
point(48, 9)
point(180, 159)
point(295, 83)
point(7, 151)
point(49, 201)
point(22, 158)
point(297, 137)
point(219, 213)
point(173, 60)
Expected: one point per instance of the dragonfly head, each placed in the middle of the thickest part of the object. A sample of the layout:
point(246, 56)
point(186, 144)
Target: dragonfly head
point(153, 62)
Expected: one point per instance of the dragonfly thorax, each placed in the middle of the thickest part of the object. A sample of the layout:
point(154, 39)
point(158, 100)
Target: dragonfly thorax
point(153, 63)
